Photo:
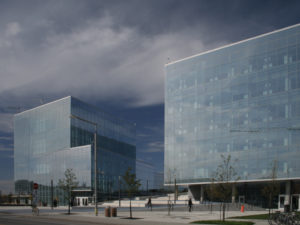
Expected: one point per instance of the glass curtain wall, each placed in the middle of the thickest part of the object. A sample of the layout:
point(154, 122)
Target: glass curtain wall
point(116, 150)
point(242, 100)
point(47, 142)
point(38, 133)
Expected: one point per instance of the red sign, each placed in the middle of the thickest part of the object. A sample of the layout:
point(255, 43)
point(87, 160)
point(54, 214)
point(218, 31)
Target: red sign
point(35, 186)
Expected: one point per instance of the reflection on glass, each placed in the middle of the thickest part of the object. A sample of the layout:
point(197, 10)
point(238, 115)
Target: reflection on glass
point(242, 100)
point(47, 142)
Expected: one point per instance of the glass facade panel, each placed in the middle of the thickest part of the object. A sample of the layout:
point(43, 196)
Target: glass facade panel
point(47, 142)
point(149, 178)
point(37, 133)
point(243, 100)
point(145, 173)
point(115, 144)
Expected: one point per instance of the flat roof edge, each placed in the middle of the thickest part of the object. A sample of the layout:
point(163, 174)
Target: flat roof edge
point(80, 146)
point(40, 106)
point(232, 44)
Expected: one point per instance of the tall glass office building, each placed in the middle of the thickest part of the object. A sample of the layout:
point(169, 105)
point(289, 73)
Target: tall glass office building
point(59, 135)
point(242, 99)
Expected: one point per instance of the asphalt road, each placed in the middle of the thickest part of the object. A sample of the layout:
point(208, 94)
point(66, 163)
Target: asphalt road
point(27, 210)
point(9, 219)
point(13, 219)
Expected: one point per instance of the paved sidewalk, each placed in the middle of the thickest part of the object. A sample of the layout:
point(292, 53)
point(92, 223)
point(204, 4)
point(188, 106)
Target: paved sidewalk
point(157, 217)
point(143, 217)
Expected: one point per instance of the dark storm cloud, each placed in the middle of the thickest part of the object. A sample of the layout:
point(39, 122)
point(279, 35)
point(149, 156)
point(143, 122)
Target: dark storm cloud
point(156, 16)
point(246, 18)
point(115, 50)
point(51, 49)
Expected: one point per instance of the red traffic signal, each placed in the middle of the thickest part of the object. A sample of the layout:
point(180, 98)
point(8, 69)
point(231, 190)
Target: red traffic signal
point(35, 186)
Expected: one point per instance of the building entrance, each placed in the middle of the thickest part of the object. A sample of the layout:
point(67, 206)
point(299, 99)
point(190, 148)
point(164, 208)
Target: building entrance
point(281, 201)
point(295, 202)
point(81, 201)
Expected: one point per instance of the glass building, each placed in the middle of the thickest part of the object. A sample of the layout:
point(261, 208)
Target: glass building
point(60, 135)
point(149, 178)
point(242, 99)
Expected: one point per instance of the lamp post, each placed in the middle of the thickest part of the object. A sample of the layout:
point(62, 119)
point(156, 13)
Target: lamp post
point(147, 188)
point(175, 194)
point(52, 194)
point(95, 158)
point(119, 191)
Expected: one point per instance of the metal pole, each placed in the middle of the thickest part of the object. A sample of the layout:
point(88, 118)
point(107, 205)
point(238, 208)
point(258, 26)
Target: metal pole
point(119, 193)
point(147, 187)
point(95, 171)
point(109, 188)
point(51, 194)
point(175, 190)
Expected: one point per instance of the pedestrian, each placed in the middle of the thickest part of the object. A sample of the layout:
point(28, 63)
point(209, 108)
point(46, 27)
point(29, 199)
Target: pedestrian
point(149, 204)
point(190, 204)
point(54, 203)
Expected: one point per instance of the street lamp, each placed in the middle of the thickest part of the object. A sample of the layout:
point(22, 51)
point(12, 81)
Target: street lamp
point(147, 188)
point(95, 158)
point(175, 190)
point(52, 194)
point(119, 191)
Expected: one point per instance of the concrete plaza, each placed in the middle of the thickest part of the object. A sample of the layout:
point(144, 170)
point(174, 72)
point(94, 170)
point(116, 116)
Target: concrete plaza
point(141, 216)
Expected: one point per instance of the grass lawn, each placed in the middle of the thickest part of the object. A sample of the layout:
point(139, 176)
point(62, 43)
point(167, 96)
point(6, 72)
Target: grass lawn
point(223, 222)
point(254, 217)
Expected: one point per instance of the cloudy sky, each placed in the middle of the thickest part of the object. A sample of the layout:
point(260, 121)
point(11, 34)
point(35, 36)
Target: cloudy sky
point(112, 54)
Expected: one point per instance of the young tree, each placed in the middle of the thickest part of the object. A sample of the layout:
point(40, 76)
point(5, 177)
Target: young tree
point(271, 189)
point(132, 185)
point(68, 184)
point(223, 180)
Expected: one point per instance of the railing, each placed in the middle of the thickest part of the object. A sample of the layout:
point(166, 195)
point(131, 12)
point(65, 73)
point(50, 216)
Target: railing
point(279, 218)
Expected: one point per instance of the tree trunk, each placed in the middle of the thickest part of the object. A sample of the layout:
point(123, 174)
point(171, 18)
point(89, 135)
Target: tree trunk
point(270, 205)
point(130, 208)
point(69, 202)
point(224, 208)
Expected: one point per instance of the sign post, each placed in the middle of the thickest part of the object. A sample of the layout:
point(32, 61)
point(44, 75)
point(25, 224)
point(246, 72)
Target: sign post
point(35, 197)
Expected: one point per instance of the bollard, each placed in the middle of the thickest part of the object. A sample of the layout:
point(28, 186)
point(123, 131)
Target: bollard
point(107, 212)
point(113, 212)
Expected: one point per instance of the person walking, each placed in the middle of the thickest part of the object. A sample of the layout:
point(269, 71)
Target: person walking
point(190, 204)
point(149, 204)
